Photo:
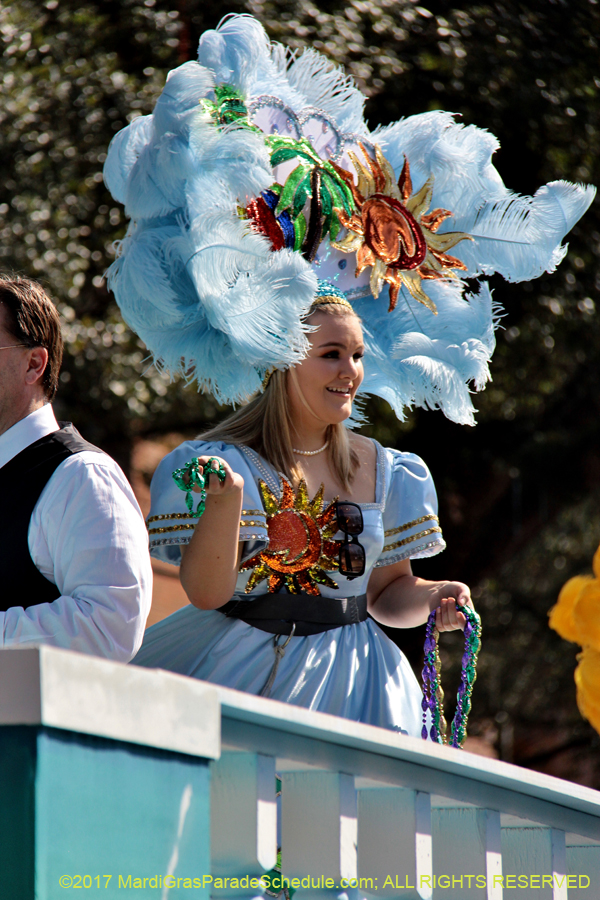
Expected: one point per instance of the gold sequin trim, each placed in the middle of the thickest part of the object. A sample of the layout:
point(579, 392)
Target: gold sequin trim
point(171, 528)
point(245, 523)
point(254, 512)
point(168, 516)
point(412, 524)
point(409, 540)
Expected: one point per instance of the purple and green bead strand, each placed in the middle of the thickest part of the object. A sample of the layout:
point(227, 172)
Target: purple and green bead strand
point(433, 696)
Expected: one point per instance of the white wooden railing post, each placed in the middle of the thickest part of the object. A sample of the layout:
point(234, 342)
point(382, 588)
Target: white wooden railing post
point(318, 829)
point(539, 855)
point(394, 842)
point(583, 869)
point(493, 858)
point(467, 856)
point(243, 819)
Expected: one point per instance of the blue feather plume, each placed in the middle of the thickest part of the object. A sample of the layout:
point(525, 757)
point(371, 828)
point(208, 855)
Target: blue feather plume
point(518, 237)
point(417, 359)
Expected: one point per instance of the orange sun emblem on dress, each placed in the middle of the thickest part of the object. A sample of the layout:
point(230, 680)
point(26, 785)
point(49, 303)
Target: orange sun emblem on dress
point(300, 548)
point(392, 231)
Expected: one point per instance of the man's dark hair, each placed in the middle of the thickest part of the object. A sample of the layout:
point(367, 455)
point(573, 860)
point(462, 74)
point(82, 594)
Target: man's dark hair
point(32, 319)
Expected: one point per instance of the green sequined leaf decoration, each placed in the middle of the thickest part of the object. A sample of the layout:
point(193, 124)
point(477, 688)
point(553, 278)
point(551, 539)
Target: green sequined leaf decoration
point(326, 207)
point(303, 192)
point(227, 92)
point(283, 155)
point(283, 149)
point(299, 231)
point(292, 182)
point(228, 108)
point(334, 228)
point(340, 193)
point(326, 203)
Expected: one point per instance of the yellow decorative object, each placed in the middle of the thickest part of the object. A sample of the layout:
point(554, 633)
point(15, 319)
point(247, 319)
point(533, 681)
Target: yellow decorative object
point(596, 562)
point(561, 615)
point(301, 548)
point(587, 679)
point(586, 615)
point(576, 617)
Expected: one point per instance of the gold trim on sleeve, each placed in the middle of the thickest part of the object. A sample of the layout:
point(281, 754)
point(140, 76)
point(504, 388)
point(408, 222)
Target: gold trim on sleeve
point(430, 518)
point(409, 540)
point(171, 528)
point(245, 523)
point(168, 516)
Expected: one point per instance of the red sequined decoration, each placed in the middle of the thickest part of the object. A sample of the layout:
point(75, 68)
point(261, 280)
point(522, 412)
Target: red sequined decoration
point(264, 222)
point(301, 547)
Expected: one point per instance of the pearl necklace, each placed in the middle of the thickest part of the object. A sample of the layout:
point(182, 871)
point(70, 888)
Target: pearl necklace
point(311, 452)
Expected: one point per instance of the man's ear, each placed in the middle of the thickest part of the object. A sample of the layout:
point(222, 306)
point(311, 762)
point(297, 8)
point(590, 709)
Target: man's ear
point(38, 360)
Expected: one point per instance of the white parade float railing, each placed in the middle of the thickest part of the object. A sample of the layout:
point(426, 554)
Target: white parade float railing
point(172, 766)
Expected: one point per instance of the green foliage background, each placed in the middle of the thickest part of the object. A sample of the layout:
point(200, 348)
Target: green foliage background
point(519, 495)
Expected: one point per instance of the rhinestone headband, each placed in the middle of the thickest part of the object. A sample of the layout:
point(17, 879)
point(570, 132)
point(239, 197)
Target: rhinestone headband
point(326, 300)
point(328, 293)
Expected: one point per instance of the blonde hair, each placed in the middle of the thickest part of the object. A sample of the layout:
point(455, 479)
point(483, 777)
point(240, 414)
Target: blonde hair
point(265, 425)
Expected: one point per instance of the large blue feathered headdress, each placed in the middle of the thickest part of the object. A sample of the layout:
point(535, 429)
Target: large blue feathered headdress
point(256, 175)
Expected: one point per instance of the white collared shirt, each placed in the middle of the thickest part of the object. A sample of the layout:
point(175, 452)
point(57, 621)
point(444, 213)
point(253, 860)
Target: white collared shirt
point(88, 537)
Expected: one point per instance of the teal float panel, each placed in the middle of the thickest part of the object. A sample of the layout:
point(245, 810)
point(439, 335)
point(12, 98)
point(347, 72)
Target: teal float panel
point(89, 808)
point(18, 752)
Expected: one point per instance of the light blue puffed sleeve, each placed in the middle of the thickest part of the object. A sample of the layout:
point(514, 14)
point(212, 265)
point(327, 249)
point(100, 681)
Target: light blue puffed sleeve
point(170, 524)
point(410, 520)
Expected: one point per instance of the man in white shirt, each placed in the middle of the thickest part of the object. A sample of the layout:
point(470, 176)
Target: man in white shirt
point(74, 563)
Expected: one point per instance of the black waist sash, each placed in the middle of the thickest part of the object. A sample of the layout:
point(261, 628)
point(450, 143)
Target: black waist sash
point(277, 613)
point(22, 481)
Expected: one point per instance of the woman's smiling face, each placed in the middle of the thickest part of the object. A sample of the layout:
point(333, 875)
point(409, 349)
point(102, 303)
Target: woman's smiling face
point(322, 387)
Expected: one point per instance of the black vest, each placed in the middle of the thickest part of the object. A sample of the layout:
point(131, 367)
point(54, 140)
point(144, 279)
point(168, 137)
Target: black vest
point(22, 480)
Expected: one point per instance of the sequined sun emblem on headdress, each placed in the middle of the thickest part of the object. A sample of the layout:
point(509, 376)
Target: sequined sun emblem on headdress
point(392, 232)
point(300, 548)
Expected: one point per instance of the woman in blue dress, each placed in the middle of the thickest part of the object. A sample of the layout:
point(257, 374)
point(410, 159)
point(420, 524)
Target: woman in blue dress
point(267, 223)
point(271, 532)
